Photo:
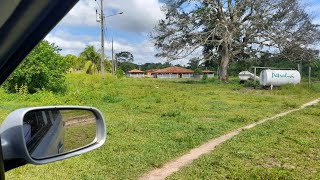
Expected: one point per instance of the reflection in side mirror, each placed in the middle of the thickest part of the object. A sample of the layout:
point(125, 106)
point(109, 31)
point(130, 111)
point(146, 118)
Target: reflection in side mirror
point(51, 132)
point(41, 135)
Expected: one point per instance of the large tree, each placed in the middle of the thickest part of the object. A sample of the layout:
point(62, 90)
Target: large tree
point(125, 61)
point(232, 29)
point(124, 56)
point(76, 62)
point(194, 63)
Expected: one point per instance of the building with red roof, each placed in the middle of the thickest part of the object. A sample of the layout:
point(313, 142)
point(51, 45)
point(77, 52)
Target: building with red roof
point(135, 73)
point(151, 72)
point(174, 72)
point(210, 74)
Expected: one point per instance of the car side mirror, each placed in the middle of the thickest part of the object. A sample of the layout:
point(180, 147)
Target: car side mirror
point(46, 134)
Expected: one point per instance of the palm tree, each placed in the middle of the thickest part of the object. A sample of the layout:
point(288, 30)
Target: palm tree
point(90, 54)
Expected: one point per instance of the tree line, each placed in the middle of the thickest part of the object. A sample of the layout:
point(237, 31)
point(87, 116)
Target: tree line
point(45, 68)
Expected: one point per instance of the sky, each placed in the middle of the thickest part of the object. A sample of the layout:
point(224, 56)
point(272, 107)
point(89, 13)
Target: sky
point(130, 30)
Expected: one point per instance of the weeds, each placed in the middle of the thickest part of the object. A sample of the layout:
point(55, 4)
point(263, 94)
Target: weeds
point(171, 114)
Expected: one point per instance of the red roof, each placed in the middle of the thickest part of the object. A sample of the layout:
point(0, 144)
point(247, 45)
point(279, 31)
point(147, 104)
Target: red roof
point(175, 70)
point(135, 71)
point(152, 70)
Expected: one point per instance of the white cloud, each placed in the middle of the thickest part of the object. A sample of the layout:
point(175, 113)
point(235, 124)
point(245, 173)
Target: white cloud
point(138, 16)
point(65, 44)
point(120, 46)
point(82, 14)
point(79, 29)
point(71, 44)
point(143, 52)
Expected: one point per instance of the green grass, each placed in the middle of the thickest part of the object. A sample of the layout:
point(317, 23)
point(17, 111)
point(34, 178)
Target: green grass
point(80, 128)
point(151, 121)
point(285, 148)
point(79, 136)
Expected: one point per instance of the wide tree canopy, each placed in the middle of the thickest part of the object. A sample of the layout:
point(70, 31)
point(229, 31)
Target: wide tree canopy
point(125, 61)
point(124, 56)
point(227, 30)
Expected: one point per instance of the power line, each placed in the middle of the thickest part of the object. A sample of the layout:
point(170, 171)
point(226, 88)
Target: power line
point(98, 5)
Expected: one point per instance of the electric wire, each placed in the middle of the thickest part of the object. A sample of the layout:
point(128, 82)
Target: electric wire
point(98, 5)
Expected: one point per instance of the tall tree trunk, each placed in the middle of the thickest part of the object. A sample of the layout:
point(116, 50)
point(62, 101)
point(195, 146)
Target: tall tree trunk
point(224, 63)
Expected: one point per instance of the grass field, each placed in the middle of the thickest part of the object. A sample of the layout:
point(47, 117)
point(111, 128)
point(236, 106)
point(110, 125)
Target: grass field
point(151, 121)
point(285, 148)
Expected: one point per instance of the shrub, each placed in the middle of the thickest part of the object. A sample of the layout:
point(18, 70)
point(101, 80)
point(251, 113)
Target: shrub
point(250, 83)
point(90, 67)
point(198, 71)
point(120, 73)
point(204, 77)
point(43, 69)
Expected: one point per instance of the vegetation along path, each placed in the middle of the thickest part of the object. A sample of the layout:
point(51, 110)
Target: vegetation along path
point(174, 166)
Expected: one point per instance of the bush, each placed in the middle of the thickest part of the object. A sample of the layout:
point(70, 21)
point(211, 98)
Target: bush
point(250, 83)
point(90, 68)
point(120, 73)
point(77, 64)
point(204, 77)
point(43, 69)
point(198, 71)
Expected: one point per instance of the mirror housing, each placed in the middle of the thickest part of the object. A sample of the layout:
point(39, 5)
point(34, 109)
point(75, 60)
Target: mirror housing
point(14, 149)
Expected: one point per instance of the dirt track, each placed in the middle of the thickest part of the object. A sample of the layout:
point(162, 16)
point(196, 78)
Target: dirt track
point(81, 120)
point(175, 165)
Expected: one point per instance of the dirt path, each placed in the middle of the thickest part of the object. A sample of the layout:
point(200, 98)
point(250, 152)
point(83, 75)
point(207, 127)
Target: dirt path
point(174, 165)
point(80, 120)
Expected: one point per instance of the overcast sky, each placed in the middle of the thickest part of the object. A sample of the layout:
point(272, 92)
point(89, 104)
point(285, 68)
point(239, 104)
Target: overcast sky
point(130, 30)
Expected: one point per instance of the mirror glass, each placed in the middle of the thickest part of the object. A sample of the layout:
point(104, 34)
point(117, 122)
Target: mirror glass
point(51, 132)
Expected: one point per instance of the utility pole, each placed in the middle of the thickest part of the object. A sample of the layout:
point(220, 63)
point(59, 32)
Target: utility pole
point(115, 64)
point(102, 39)
point(113, 61)
point(101, 20)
